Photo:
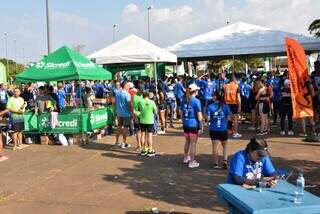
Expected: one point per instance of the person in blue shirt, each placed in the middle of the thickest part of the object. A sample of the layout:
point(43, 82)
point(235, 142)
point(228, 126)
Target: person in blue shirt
point(191, 120)
point(123, 109)
point(218, 114)
point(209, 89)
point(98, 89)
point(249, 166)
point(245, 94)
point(179, 91)
point(61, 94)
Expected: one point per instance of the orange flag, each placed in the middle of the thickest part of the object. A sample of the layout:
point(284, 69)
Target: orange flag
point(299, 79)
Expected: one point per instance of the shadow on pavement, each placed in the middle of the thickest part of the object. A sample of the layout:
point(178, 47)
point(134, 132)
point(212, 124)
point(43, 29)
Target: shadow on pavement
point(165, 178)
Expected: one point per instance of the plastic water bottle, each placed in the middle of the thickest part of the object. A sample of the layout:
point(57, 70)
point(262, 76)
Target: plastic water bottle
point(299, 189)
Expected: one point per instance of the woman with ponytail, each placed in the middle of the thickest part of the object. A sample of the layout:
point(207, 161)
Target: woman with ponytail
point(192, 124)
point(218, 114)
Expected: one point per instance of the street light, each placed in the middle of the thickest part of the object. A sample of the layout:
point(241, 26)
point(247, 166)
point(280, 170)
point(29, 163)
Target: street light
point(15, 52)
point(149, 9)
point(114, 32)
point(48, 27)
point(6, 44)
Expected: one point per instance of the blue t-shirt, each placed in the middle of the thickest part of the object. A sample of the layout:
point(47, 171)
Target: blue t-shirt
point(123, 100)
point(209, 89)
point(61, 94)
point(218, 117)
point(240, 165)
point(190, 112)
point(98, 89)
point(80, 91)
point(179, 90)
point(245, 90)
point(68, 88)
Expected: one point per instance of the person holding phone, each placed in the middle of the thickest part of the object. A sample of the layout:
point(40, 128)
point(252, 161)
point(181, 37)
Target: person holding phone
point(192, 124)
point(249, 166)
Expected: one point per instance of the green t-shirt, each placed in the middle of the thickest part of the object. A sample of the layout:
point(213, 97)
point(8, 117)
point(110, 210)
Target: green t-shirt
point(135, 100)
point(15, 104)
point(146, 110)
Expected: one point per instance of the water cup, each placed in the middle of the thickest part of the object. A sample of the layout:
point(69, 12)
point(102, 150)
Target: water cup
point(262, 186)
point(297, 197)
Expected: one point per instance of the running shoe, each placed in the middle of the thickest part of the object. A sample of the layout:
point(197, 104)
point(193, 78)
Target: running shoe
point(144, 152)
point(186, 159)
point(151, 153)
point(282, 133)
point(125, 146)
point(236, 135)
point(193, 164)
point(290, 133)
point(117, 144)
point(225, 165)
point(216, 166)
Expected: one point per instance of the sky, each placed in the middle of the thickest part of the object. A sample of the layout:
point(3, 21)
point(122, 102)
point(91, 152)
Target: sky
point(89, 22)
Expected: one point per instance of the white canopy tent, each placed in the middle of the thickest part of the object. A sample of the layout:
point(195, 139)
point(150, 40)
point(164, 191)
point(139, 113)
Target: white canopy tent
point(239, 39)
point(132, 50)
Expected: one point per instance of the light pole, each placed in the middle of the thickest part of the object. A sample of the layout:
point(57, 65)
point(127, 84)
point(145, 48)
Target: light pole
point(149, 9)
point(114, 27)
point(6, 45)
point(15, 52)
point(48, 27)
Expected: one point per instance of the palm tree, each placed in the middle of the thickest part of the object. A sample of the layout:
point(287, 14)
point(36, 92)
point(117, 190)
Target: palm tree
point(314, 28)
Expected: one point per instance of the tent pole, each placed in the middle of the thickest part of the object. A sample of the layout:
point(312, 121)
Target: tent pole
point(156, 77)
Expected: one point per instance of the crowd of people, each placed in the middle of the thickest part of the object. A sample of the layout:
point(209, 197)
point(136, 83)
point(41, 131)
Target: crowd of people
point(221, 103)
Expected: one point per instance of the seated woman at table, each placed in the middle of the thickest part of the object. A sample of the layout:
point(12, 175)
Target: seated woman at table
point(249, 166)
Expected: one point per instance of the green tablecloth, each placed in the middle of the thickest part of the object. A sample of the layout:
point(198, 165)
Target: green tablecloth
point(70, 121)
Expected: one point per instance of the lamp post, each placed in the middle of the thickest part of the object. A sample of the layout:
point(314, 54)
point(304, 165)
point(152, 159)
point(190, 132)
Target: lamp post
point(15, 52)
point(149, 10)
point(6, 46)
point(48, 27)
point(114, 27)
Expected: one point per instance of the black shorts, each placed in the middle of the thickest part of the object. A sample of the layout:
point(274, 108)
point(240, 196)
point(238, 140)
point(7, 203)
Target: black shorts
point(124, 121)
point(219, 135)
point(18, 126)
point(245, 105)
point(233, 108)
point(179, 101)
point(263, 107)
point(161, 107)
point(146, 128)
point(137, 126)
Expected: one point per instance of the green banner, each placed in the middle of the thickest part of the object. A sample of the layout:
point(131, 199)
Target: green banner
point(3, 73)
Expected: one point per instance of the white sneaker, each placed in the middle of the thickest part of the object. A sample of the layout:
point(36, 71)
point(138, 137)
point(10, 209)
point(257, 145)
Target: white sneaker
point(125, 146)
point(117, 144)
point(236, 135)
point(193, 164)
point(186, 159)
point(282, 133)
point(290, 133)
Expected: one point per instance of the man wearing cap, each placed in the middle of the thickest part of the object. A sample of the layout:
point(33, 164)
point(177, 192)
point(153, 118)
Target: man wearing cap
point(249, 166)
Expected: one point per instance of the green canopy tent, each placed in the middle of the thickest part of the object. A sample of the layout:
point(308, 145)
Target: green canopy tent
point(63, 64)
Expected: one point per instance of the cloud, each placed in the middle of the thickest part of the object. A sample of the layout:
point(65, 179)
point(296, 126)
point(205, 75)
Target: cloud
point(69, 18)
point(166, 14)
point(130, 8)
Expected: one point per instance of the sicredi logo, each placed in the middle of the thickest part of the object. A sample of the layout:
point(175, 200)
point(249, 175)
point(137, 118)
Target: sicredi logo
point(73, 123)
point(98, 118)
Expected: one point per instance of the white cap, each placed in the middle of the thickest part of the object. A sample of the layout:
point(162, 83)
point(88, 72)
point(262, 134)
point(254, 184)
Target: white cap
point(131, 85)
point(193, 87)
point(171, 88)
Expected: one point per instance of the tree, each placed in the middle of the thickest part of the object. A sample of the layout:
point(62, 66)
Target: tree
point(314, 28)
point(14, 67)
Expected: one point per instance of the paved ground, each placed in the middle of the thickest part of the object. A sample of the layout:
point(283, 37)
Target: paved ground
point(101, 179)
